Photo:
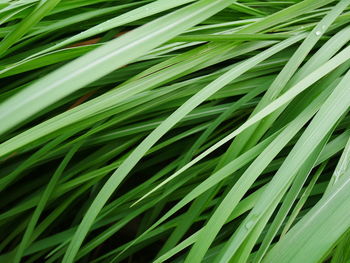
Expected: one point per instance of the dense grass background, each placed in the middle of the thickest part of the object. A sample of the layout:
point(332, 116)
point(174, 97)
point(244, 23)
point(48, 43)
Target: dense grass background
point(175, 131)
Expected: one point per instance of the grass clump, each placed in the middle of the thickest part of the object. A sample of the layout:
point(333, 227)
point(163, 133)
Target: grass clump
point(174, 131)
